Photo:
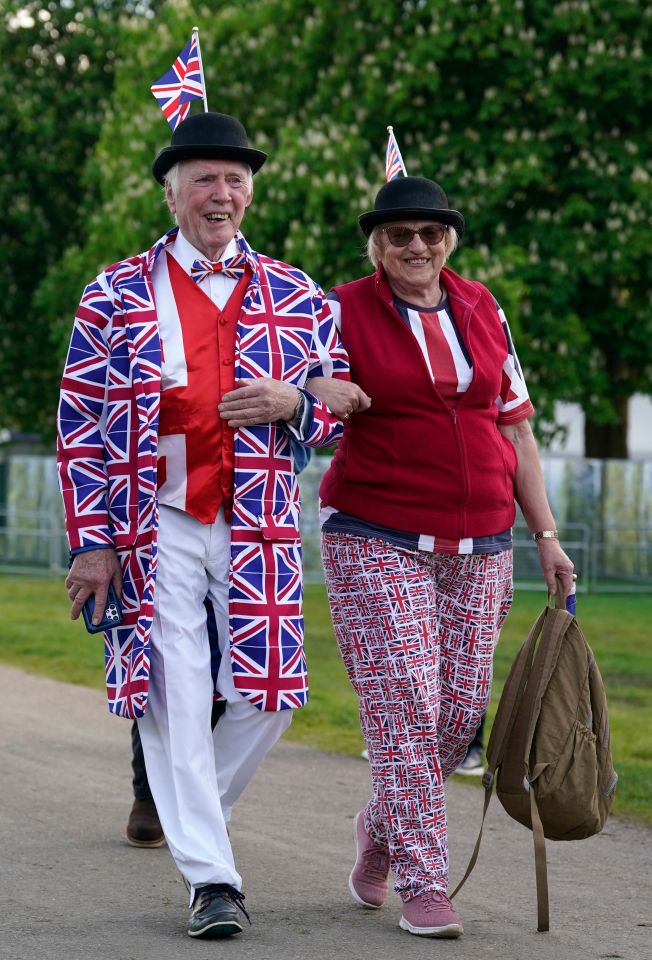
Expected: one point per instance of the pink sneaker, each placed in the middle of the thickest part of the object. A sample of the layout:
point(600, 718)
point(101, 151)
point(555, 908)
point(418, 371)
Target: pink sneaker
point(431, 914)
point(368, 879)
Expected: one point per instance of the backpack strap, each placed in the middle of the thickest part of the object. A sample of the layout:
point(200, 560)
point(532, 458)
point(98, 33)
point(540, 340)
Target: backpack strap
point(517, 682)
point(476, 849)
point(508, 708)
point(511, 700)
point(552, 636)
point(558, 623)
point(553, 631)
point(540, 867)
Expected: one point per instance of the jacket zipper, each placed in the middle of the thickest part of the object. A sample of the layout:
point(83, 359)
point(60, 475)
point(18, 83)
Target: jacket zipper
point(453, 411)
point(465, 473)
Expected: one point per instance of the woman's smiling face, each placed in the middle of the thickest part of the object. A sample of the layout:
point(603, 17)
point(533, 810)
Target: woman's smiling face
point(416, 266)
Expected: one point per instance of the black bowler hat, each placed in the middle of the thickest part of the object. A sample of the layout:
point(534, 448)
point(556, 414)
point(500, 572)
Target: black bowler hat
point(411, 198)
point(208, 136)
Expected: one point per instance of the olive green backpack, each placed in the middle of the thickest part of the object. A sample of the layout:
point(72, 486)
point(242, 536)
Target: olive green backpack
point(549, 753)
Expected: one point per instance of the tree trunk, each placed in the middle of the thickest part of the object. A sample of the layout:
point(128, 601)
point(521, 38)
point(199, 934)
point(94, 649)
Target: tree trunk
point(606, 441)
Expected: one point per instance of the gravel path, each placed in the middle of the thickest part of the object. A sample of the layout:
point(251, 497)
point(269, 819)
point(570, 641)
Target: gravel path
point(72, 889)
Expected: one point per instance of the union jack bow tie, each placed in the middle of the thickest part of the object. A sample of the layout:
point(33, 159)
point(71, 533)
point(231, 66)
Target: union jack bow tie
point(234, 267)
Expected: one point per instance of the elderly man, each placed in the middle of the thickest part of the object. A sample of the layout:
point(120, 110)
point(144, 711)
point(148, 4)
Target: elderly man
point(184, 383)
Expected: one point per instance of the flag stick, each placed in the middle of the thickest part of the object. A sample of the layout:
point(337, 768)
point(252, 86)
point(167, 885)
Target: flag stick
point(390, 131)
point(195, 33)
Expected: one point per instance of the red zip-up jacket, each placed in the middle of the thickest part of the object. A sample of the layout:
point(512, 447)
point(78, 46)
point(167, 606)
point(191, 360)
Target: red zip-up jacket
point(412, 461)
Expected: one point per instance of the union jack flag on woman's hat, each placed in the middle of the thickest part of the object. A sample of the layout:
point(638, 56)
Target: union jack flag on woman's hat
point(393, 159)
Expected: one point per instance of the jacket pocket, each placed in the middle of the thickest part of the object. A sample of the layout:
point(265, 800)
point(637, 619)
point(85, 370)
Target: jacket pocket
point(280, 526)
point(567, 789)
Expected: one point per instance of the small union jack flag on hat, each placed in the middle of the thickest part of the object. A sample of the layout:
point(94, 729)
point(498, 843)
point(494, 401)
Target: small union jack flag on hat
point(182, 83)
point(393, 159)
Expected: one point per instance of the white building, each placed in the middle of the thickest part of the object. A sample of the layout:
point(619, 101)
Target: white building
point(639, 431)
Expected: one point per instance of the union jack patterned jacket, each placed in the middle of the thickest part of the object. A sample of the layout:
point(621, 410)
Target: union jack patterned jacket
point(107, 453)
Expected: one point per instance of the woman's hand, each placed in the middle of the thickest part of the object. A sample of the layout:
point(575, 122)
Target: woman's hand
point(340, 396)
point(555, 563)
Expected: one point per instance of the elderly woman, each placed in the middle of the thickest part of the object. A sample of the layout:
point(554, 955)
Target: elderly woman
point(417, 511)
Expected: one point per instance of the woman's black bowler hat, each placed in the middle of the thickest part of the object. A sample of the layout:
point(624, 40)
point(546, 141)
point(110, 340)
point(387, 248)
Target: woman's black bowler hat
point(411, 198)
point(208, 136)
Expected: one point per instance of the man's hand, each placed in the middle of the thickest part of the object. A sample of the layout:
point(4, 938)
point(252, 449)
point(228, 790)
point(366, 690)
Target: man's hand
point(258, 401)
point(340, 396)
point(91, 573)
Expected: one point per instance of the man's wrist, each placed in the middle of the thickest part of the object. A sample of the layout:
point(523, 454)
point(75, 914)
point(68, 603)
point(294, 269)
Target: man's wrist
point(297, 416)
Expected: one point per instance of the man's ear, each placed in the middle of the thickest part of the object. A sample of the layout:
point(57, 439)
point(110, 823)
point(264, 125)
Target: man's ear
point(169, 196)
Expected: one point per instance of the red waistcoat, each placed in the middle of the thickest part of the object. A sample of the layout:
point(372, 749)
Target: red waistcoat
point(413, 462)
point(191, 412)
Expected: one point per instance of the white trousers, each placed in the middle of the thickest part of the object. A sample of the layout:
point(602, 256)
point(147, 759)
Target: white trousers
point(196, 776)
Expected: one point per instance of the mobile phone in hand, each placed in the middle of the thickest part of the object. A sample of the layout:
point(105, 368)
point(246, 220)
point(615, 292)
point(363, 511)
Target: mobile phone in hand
point(112, 613)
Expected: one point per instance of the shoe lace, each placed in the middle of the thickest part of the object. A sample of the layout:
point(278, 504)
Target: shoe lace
point(434, 898)
point(224, 890)
point(376, 862)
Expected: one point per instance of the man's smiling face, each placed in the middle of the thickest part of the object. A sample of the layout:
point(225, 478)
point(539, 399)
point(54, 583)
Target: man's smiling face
point(209, 200)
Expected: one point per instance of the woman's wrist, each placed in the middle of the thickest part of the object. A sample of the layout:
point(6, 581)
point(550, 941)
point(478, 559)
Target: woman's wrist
point(542, 535)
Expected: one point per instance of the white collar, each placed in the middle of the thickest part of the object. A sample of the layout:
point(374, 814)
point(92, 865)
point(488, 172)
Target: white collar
point(185, 254)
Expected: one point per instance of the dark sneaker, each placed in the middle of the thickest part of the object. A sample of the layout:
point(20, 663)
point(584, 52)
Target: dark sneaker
point(431, 914)
point(214, 912)
point(368, 879)
point(473, 764)
point(144, 827)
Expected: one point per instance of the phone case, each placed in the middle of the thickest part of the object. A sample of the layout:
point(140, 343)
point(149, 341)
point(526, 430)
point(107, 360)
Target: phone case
point(112, 613)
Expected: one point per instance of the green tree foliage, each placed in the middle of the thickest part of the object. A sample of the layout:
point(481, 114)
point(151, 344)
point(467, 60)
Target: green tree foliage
point(530, 114)
point(56, 77)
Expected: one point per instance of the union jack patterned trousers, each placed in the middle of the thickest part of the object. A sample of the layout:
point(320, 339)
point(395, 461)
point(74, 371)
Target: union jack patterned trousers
point(417, 633)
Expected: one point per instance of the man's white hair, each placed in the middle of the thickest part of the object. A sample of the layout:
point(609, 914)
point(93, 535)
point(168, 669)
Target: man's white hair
point(172, 177)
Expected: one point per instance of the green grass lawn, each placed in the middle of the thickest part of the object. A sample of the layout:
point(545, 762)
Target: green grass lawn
point(37, 635)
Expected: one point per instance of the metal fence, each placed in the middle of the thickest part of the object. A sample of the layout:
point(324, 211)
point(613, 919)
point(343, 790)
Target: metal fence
point(611, 543)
